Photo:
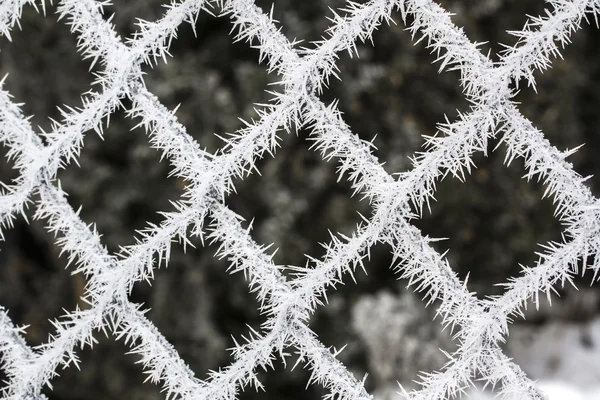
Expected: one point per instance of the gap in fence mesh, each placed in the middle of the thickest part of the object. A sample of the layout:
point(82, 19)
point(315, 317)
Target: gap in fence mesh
point(34, 286)
point(107, 370)
point(45, 70)
point(214, 81)
point(296, 201)
point(121, 182)
point(391, 334)
point(396, 82)
point(489, 20)
point(199, 306)
point(494, 221)
point(566, 104)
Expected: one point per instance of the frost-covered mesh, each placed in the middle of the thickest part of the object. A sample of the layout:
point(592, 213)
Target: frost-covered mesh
point(289, 299)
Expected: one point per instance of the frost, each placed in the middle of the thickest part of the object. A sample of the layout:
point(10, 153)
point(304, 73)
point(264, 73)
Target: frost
point(479, 326)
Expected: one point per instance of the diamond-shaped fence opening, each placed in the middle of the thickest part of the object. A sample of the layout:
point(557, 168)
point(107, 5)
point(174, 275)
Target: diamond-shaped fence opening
point(199, 307)
point(396, 335)
point(45, 71)
point(480, 325)
point(393, 79)
point(341, 321)
point(385, 330)
point(487, 240)
point(120, 182)
point(213, 82)
point(296, 202)
point(34, 289)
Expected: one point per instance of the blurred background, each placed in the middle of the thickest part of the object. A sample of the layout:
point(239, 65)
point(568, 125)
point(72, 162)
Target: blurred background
point(494, 221)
